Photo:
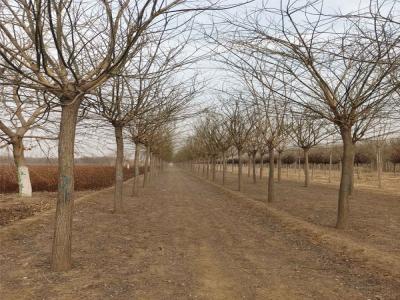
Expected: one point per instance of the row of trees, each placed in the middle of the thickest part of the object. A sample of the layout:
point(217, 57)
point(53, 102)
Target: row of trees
point(64, 63)
point(304, 74)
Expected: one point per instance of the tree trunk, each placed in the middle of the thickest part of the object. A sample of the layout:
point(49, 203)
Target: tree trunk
point(248, 165)
point(254, 167)
point(213, 166)
point(298, 167)
point(271, 193)
point(150, 173)
point(119, 170)
point(261, 165)
point(306, 167)
point(208, 167)
point(330, 167)
point(379, 165)
point(279, 166)
point(135, 191)
point(240, 170)
point(223, 168)
point(346, 179)
point(146, 166)
point(24, 181)
point(61, 252)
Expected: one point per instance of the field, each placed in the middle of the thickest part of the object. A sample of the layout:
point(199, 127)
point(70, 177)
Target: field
point(374, 211)
point(44, 185)
point(44, 177)
point(182, 238)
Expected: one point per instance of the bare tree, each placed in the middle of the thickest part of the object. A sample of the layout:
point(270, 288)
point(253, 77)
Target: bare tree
point(336, 74)
point(70, 48)
point(271, 109)
point(240, 126)
point(23, 115)
point(308, 131)
point(252, 145)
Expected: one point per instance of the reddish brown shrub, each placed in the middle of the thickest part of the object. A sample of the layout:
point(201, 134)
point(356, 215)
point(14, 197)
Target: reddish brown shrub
point(45, 177)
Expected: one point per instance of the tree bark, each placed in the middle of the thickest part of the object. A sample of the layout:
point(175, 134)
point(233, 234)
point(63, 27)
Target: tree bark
point(146, 166)
point(379, 165)
point(119, 170)
point(150, 173)
point(279, 166)
point(24, 181)
point(248, 165)
point(213, 167)
point(298, 167)
point(208, 167)
point(254, 167)
point(330, 167)
point(306, 167)
point(61, 251)
point(135, 191)
point(346, 179)
point(239, 170)
point(271, 192)
point(223, 168)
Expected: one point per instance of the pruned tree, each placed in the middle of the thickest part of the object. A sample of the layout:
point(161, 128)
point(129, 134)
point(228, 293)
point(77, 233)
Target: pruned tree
point(24, 113)
point(337, 74)
point(252, 146)
point(271, 108)
point(69, 48)
point(239, 127)
point(308, 131)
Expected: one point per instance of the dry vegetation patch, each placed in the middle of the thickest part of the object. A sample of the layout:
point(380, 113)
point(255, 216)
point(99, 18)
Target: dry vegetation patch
point(44, 183)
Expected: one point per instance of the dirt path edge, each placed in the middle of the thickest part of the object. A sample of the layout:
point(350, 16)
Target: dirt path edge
point(387, 264)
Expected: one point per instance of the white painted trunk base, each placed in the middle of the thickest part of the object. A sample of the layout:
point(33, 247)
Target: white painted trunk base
point(24, 182)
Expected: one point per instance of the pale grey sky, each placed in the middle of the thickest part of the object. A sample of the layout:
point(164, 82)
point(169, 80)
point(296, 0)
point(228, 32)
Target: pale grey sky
point(101, 142)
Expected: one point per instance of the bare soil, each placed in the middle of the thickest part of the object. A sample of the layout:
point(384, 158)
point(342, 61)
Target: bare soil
point(182, 238)
point(374, 213)
point(14, 207)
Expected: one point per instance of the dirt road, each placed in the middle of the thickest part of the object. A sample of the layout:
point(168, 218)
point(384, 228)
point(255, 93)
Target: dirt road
point(181, 239)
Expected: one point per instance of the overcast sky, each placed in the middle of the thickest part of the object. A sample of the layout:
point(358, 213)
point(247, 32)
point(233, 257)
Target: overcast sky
point(101, 142)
